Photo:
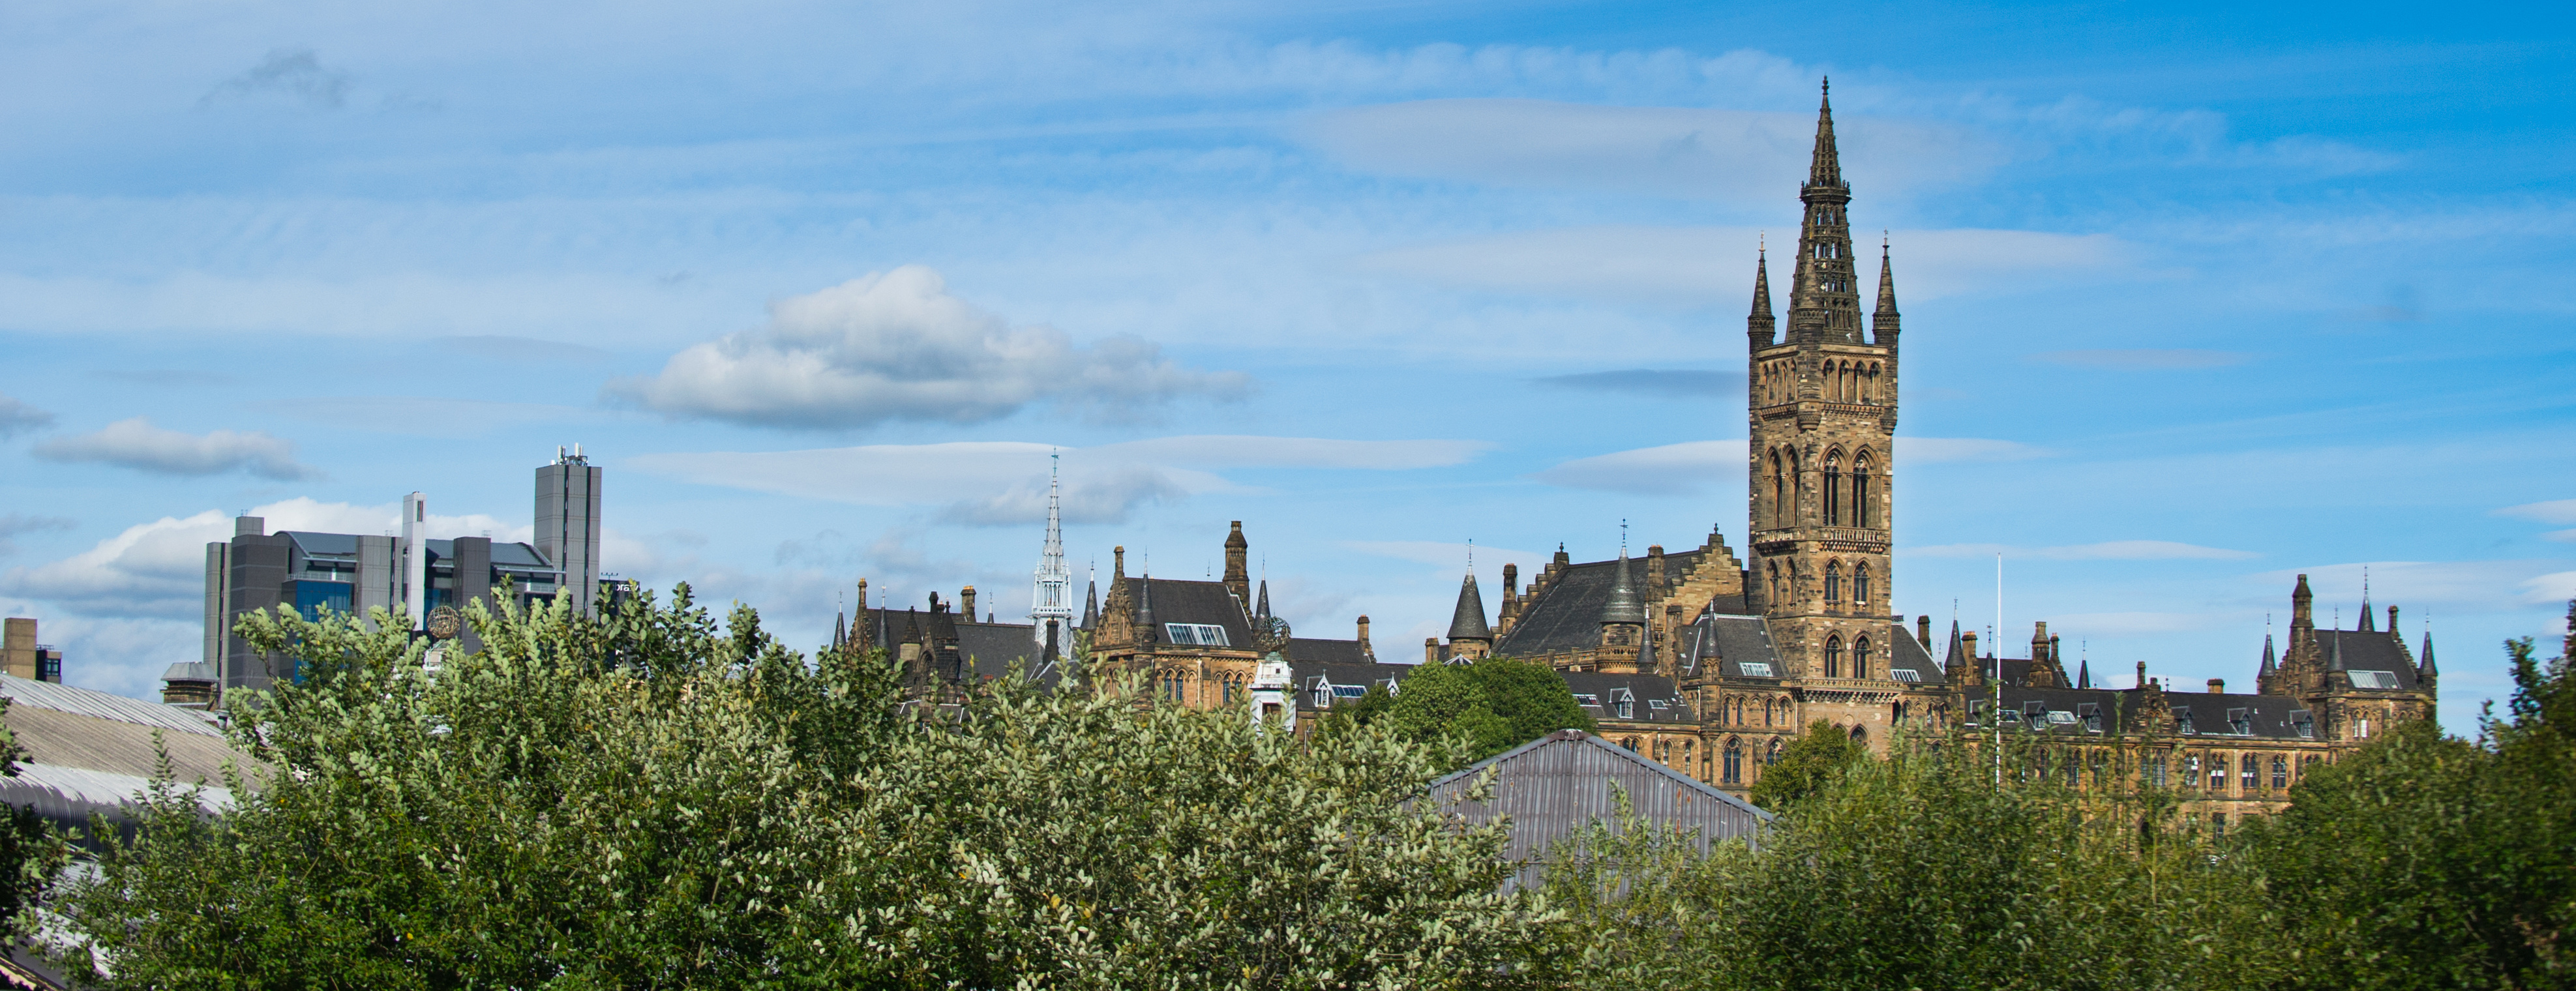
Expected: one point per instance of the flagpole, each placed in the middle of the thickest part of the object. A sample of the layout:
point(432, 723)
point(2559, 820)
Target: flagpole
point(1997, 716)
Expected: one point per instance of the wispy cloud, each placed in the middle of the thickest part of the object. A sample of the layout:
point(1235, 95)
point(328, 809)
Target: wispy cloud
point(13, 524)
point(1652, 381)
point(18, 417)
point(2113, 550)
point(1001, 483)
point(897, 346)
point(2552, 511)
point(1670, 469)
point(295, 74)
point(1451, 556)
point(139, 445)
point(1710, 265)
point(2145, 359)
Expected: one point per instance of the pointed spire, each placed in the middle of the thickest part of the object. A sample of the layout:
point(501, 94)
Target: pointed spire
point(2365, 626)
point(2334, 654)
point(1263, 610)
point(1884, 323)
point(1052, 597)
point(1091, 603)
point(2268, 665)
point(1468, 621)
point(2084, 673)
point(1761, 327)
point(840, 629)
point(1958, 652)
point(1146, 630)
point(1826, 167)
point(1623, 606)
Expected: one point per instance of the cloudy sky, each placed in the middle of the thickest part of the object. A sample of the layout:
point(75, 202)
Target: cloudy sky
point(2197, 300)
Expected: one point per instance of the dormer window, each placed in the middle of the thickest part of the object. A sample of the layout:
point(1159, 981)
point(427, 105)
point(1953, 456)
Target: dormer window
point(1196, 634)
point(2091, 713)
point(2304, 723)
point(1623, 703)
point(2182, 721)
point(2240, 722)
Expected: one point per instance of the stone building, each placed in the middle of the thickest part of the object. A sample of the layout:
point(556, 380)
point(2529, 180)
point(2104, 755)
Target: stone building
point(1710, 659)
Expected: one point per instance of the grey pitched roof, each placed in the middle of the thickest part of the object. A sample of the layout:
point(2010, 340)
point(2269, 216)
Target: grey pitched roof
point(2363, 650)
point(1203, 602)
point(1328, 651)
point(1567, 616)
point(1468, 621)
point(1337, 681)
point(2213, 715)
point(1730, 642)
point(1907, 654)
point(1599, 693)
point(1561, 782)
point(91, 751)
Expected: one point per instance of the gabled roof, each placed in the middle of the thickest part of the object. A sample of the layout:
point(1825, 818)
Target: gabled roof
point(1643, 691)
point(1567, 616)
point(1908, 654)
point(2363, 650)
point(1201, 602)
point(1550, 787)
point(1310, 675)
point(1730, 642)
point(1320, 651)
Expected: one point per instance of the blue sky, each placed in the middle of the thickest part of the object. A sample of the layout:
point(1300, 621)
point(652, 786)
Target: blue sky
point(2197, 299)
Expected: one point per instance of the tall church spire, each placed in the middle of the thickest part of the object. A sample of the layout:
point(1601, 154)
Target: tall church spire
point(1883, 324)
point(1824, 304)
point(1052, 600)
point(1761, 326)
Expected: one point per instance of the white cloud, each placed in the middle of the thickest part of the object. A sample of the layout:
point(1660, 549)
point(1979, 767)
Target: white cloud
point(1934, 450)
point(1672, 469)
point(2451, 587)
point(2167, 359)
point(137, 444)
point(2113, 550)
point(158, 568)
point(1695, 153)
point(2553, 511)
point(897, 346)
point(13, 524)
point(1451, 558)
point(18, 417)
point(1695, 266)
point(2564, 536)
point(2550, 589)
point(1693, 466)
point(995, 483)
point(427, 416)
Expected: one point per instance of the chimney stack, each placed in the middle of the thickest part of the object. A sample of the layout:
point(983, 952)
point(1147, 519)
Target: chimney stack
point(966, 601)
point(2218, 686)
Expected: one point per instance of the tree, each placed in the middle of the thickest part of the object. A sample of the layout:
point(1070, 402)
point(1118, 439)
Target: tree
point(649, 799)
point(2423, 861)
point(31, 852)
point(1493, 704)
point(1915, 873)
point(1807, 765)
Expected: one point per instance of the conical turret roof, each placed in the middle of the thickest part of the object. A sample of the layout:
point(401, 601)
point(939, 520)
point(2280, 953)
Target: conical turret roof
point(1624, 606)
point(1468, 621)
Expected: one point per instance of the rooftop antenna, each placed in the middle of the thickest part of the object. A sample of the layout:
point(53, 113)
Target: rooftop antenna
point(1471, 553)
point(1623, 538)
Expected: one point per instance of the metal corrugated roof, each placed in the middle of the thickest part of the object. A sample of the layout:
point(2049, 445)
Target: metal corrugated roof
point(1558, 783)
point(89, 702)
point(70, 794)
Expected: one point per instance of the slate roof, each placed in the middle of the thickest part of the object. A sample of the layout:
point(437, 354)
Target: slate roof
point(505, 554)
point(2367, 651)
point(1730, 642)
point(1642, 690)
point(1310, 676)
point(1310, 649)
point(1907, 654)
point(1209, 603)
point(2214, 716)
point(1567, 616)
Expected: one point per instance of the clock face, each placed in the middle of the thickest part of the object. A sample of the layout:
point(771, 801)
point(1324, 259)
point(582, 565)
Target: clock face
point(445, 623)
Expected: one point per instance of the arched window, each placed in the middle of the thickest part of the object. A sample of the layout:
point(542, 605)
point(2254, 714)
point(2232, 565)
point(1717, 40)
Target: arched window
point(1833, 583)
point(1833, 653)
point(2101, 769)
point(1864, 512)
point(2249, 770)
point(1772, 756)
point(1629, 743)
point(1663, 750)
point(1860, 658)
point(1779, 491)
point(1860, 735)
point(2280, 773)
point(1860, 584)
point(1833, 490)
point(1685, 764)
point(1733, 770)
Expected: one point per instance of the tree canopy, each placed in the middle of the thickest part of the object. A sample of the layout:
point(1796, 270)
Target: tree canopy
point(1492, 703)
point(652, 800)
point(1807, 765)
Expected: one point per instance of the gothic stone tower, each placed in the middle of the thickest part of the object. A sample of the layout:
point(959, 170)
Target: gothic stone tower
point(1823, 414)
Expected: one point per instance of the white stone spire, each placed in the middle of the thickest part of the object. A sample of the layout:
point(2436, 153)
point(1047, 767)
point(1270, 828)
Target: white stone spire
point(1053, 598)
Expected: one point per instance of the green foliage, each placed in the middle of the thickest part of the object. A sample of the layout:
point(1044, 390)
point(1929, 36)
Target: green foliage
point(1807, 765)
point(1493, 704)
point(1914, 873)
point(2426, 862)
point(31, 852)
point(649, 800)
